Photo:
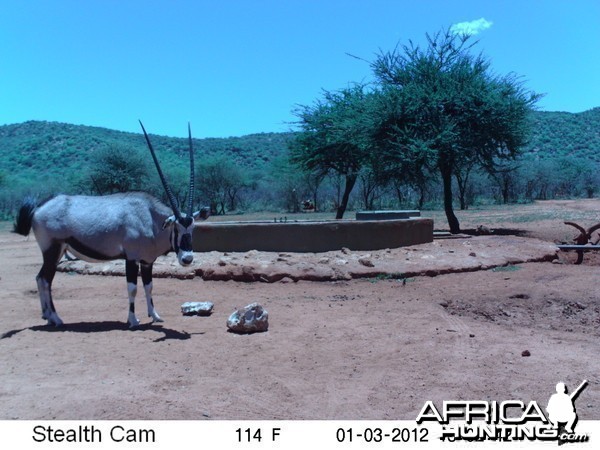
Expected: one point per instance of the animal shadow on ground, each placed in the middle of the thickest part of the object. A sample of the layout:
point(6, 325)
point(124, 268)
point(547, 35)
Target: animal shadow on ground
point(495, 231)
point(101, 327)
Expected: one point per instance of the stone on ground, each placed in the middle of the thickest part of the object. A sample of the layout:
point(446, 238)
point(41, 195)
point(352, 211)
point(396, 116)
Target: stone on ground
point(197, 308)
point(250, 319)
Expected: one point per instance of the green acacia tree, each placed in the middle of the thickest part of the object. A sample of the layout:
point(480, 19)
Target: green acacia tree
point(220, 181)
point(336, 137)
point(118, 169)
point(446, 110)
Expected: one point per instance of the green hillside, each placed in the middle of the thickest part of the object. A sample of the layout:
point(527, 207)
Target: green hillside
point(43, 158)
point(35, 147)
point(562, 134)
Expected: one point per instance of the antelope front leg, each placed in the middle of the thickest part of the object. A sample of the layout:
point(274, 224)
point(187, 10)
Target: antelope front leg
point(131, 272)
point(147, 281)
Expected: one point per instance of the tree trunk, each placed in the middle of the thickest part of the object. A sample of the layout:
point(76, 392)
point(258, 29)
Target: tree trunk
point(421, 200)
point(314, 182)
point(462, 190)
point(232, 194)
point(447, 180)
point(349, 185)
point(295, 202)
point(461, 198)
point(505, 193)
point(399, 195)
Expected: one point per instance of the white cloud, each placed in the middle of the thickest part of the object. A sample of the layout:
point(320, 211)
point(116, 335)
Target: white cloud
point(471, 28)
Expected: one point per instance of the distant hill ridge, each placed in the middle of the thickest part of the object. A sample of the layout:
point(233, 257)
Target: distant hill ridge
point(558, 134)
point(52, 145)
point(35, 146)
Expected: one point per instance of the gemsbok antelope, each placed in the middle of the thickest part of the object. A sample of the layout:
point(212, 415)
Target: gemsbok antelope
point(133, 226)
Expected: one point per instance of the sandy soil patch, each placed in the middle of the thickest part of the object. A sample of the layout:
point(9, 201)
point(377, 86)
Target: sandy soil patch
point(373, 342)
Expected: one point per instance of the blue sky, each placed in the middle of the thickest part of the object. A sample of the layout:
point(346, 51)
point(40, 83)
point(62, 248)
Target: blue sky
point(234, 67)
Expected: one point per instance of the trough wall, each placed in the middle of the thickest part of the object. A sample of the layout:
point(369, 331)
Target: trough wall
point(311, 236)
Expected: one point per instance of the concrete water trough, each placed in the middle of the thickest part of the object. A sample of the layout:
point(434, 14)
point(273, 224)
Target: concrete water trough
point(311, 236)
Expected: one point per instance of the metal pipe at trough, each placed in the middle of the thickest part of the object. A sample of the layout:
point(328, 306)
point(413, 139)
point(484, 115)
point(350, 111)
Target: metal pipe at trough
point(311, 236)
point(388, 215)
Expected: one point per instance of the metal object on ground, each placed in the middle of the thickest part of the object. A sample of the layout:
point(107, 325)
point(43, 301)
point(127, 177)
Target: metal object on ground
point(584, 237)
point(388, 215)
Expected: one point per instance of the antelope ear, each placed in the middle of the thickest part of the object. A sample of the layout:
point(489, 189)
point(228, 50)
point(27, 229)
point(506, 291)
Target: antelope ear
point(202, 214)
point(169, 221)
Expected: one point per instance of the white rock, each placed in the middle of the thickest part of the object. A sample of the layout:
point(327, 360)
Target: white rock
point(249, 319)
point(197, 308)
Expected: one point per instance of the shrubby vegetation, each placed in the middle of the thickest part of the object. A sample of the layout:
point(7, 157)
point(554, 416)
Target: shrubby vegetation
point(44, 158)
point(561, 160)
point(362, 147)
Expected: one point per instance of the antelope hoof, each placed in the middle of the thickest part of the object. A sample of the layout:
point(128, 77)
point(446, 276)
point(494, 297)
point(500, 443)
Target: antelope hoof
point(156, 318)
point(54, 320)
point(133, 324)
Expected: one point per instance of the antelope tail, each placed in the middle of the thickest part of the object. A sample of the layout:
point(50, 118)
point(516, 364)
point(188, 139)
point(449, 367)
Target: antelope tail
point(24, 217)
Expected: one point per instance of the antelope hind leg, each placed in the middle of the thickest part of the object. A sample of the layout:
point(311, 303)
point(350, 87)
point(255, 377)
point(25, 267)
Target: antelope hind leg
point(44, 282)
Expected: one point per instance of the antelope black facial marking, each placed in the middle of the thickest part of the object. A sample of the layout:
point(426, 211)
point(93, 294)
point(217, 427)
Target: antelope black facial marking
point(181, 236)
point(175, 240)
point(186, 221)
point(186, 242)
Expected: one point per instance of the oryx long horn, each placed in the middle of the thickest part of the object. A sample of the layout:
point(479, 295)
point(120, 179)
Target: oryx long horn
point(191, 193)
point(162, 176)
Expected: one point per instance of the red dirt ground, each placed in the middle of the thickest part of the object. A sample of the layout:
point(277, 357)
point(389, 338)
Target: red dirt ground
point(358, 348)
